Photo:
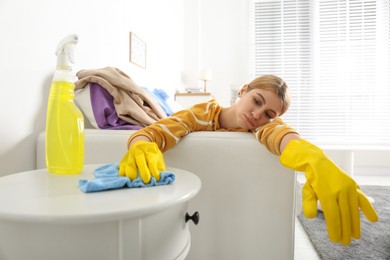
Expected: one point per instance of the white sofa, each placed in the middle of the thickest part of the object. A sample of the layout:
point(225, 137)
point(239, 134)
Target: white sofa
point(246, 203)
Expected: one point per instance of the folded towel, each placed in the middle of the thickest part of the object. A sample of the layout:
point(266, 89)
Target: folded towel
point(107, 178)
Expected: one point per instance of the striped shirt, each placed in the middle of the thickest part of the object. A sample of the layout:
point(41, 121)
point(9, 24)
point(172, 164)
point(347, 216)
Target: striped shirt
point(205, 117)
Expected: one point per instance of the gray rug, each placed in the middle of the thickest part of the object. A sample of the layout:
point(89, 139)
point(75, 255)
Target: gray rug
point(375, 239)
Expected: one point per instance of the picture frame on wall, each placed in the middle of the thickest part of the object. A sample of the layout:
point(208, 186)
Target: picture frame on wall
point(137, 51)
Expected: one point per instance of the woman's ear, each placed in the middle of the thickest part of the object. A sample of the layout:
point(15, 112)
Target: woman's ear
point(242, 90)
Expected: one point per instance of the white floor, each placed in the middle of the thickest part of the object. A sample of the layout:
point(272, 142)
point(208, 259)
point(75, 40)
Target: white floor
point(304, 250)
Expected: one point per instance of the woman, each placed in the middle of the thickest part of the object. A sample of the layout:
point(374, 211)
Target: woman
point(257, 109)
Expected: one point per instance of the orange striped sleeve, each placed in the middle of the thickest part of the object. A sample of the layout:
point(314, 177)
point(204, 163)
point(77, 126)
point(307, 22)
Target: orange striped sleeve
point(168, 131)
point(271, 135)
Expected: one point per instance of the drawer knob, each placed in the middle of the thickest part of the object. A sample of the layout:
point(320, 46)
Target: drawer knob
point(194, 217)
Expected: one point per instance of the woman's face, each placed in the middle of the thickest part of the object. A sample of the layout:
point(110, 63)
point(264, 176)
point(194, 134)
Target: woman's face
point(257, 107)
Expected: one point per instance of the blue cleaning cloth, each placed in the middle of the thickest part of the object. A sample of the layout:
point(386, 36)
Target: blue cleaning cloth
point(107, 178)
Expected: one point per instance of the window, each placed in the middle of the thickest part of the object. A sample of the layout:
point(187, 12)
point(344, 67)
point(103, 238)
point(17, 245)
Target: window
point(334, 55)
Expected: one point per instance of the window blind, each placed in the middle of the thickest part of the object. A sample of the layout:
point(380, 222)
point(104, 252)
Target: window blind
point(334, 56)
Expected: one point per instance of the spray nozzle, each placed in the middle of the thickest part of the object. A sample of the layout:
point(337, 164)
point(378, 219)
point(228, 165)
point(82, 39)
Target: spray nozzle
point(65, 49)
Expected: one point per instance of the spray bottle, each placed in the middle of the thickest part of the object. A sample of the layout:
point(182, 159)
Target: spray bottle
point(64, 121)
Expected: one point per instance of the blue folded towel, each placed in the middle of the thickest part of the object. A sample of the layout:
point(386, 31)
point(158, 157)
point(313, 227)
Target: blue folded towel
point(107, 178)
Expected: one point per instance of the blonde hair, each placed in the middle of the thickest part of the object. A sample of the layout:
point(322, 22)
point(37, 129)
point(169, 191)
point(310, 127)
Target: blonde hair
point(274, 84)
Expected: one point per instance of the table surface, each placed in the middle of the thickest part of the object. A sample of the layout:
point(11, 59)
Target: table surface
point(39, 196)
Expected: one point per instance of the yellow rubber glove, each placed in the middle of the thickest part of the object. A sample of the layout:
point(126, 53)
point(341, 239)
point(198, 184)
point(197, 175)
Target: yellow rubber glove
point(143, 157)
point(339, 195)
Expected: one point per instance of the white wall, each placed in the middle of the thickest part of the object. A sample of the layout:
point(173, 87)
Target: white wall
point(216, 38)
point(30, 31)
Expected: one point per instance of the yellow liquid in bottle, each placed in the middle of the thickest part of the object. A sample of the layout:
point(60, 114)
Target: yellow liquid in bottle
point(64, 131)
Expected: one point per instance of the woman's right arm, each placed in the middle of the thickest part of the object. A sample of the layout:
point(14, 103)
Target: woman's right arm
point(138, 138)
point(167, 132)
point(145, 147)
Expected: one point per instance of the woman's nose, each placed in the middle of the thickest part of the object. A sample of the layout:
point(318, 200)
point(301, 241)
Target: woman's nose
point(257, 114)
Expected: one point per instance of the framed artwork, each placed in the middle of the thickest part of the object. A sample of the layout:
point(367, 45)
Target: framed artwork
point(137, 51)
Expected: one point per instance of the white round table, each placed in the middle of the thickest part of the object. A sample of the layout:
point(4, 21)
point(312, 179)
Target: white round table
point(46, 216)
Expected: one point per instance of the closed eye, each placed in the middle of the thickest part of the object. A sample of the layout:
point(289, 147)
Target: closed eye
point(270, 115)
point(257, 102)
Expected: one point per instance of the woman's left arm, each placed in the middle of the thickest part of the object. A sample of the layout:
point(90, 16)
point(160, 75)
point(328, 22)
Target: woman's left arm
point(339, 195)
point(287, 138)
point(274, 136)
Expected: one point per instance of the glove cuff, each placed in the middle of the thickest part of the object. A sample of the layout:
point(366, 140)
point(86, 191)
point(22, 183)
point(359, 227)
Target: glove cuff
point(139, 142)
point(298, 153)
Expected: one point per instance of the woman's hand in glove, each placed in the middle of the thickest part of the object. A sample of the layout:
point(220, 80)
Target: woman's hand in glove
point(339, 195)
point(143, 157)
